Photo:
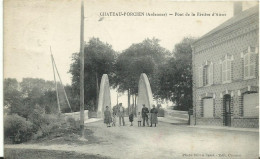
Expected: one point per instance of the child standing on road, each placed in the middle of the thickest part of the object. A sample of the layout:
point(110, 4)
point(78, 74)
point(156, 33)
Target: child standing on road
point(149, 118)
point(114, 119)
point(139, 118)
point(131, 118)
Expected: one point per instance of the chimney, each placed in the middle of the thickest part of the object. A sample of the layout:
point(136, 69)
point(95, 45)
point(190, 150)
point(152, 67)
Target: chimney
point(237, 8)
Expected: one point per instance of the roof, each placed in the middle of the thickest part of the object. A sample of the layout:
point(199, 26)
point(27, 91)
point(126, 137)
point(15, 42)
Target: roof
point(243, 15)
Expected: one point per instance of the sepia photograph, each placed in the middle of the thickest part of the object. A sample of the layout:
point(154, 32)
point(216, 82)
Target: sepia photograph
point(130, 79)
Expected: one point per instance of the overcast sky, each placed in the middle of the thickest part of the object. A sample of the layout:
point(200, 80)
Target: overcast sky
point(31, 27)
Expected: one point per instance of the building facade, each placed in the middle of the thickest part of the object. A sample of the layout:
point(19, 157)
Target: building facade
point(226, 73)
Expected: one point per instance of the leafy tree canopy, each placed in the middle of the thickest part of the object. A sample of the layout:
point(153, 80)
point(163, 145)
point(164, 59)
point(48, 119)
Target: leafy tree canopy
point(175, 76)
point(99, 59)
point(139, 58)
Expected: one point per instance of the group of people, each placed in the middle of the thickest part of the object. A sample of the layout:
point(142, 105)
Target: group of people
point(108, 118)
point(145, 116)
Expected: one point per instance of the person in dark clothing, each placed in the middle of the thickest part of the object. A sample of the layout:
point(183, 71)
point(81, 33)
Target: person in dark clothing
point(145, 115)
point(131, 118)
point(107, 116)
point(154, 113)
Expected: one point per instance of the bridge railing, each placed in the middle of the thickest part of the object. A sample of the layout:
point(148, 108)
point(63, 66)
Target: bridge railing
point(76, 115)
point(181, 116)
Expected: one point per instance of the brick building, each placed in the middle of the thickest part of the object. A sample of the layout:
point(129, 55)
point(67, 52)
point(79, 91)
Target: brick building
point(225, 72)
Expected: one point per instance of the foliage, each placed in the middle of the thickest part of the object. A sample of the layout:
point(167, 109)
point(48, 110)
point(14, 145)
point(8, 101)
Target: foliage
point(35, 87)
point(51, 125)
point(139, 58)
point(39, 126)
point(73, 98)
point(175, 77)
point(21, 98)
point(33, 101)
point(45, 123)
point(10, 84)
point(99, 59)
point(73, 124)
point(12, 96)
point(17, 128)
point(48, 102)
point(37, 117)
point(160, 112)
point(43, 93)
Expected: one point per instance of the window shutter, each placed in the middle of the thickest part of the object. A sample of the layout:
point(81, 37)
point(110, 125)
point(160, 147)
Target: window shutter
point(228, 70)
point(224, 71)
point(231, 70)
point(252, 70)
point(204, 74)
point(246, 58)
point(252, 64)
point(228, 64)
point(246, 67)
point(211, 72)
point(246, 71)
point(200, 76)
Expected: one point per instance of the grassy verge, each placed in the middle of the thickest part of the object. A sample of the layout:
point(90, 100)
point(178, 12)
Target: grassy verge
point(47, 154)
point(67, 137)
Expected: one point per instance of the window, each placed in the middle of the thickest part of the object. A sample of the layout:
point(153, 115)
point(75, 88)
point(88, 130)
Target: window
point(210, 74)
point(226, 70)
point(249, 63)
point(200, 79)
point(251, 105)
point(205, 75)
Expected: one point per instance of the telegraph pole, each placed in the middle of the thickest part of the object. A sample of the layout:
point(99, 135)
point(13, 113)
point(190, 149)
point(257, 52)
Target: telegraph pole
point(53, 61)
point(56, 86)
point(97, 90)
point(82, 70)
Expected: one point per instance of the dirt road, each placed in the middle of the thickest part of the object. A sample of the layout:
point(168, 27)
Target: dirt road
point(165, 141)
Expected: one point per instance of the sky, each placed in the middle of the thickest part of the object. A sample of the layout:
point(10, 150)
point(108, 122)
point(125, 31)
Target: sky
point(32, 27)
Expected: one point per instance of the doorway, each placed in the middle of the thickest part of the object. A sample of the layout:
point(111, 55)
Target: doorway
point(227, 110)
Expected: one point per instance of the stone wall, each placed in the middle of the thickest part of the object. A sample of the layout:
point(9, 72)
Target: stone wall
point(245, 122)
point(76, 115)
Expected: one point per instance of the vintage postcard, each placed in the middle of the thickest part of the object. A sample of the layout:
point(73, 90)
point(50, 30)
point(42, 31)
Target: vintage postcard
point(130, 79)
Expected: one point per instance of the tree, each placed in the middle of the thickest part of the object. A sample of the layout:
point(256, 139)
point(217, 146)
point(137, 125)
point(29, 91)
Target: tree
point(12, 95)
point(74, 100)
point(48, 102)
point(35, 87)
point(21, 98)
point(139, 58)
point(99, 60)
point(176, 76)
point(37, 91)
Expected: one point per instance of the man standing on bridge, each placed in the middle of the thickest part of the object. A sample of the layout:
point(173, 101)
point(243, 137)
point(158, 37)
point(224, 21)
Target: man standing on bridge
point(121, 113)
point(145, 115)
